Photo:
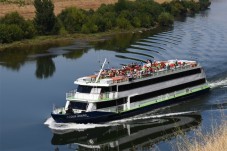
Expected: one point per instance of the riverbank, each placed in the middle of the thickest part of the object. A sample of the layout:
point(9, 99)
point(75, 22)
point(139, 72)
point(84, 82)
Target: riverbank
point(61, 40)
point(106, 18)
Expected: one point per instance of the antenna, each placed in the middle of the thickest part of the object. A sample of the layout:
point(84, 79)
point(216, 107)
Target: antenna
point(100, 71)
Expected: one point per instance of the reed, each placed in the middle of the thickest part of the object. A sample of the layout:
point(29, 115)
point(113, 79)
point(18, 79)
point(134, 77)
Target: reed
point(216, 140)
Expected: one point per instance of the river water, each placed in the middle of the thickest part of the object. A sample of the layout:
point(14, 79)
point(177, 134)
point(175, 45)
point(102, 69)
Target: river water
point(32, 80)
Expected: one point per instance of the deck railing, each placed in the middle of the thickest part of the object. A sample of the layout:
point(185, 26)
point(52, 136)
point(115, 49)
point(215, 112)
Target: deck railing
point(165, 71)
point(160, 72)
point(73, 95)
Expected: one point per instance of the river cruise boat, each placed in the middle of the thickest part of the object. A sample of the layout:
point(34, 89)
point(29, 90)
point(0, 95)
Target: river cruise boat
point(133, 89)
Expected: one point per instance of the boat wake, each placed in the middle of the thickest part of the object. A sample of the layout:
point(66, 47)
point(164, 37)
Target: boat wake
point(218, 83)
point(62, 128)
point(69, 127)
point(143, 117)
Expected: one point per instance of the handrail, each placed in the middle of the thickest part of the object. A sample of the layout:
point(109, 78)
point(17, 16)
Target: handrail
point(156, 73)
point(91, 96)
point(72, 95)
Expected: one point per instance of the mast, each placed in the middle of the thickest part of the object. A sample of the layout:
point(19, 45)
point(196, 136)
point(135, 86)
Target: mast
point(100, 71)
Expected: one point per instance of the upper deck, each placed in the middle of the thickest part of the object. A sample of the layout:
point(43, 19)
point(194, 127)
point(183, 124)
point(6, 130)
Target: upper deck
point(109, 77)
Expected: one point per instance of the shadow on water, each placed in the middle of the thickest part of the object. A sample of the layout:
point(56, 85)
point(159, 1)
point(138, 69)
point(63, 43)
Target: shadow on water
point(134, 135)
point(43, 55)
point(120, 42)
point(45, 67)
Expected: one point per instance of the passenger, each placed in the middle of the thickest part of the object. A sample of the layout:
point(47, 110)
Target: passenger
point(168, 67)
point(151, 70)
point(111, 74)
point(150, 61)
point(121, 73)
point(149, 64)
point(117, 73)
point(69, 110)
point(141, 63)
point(163, 65)
point(176, 63)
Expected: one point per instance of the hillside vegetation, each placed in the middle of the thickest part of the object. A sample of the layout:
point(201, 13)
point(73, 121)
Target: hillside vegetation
point(121, 15)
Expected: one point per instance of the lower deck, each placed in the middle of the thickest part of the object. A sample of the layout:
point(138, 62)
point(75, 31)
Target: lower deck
point(120, 112)
point(130, 103)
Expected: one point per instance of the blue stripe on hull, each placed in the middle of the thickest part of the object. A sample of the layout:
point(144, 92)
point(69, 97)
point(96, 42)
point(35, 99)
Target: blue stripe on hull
point(86, 117)
point(100, 117)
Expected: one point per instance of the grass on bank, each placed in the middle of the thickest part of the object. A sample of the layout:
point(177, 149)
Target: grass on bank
point(216, 140)
point(66, 39)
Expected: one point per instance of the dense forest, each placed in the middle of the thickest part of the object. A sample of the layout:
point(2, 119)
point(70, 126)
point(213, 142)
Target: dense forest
point(121, 15)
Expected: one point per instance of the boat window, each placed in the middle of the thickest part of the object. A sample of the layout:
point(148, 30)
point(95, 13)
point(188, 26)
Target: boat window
point(79, 105)
point(105, 89)
point(84, 89)
point(95, 90)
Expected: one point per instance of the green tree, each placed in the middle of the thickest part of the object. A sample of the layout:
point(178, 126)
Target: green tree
point(13, 18)
point(123, 23)
point(10, 33)
point(105, 8)
point(73, 19)
point(100, 21)
point(89, 27)
point(165, 19)
point(104, 22)
point(191, 6)
point(110, 20)
point(27, 27)
point(136, 22)
point(120, 5)
point(204, 4)
point(146, 20)
point(45, 19)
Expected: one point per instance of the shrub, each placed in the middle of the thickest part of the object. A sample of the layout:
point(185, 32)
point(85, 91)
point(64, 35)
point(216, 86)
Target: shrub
point(204, 4)
point(29, 30)
point(165, 19)
point(72, 19)
point(136, 22)
point(146, 20)
point(89, 27)
point(191, 6)
point(27, 27)
point(10, 33)
point(123, 23)
point(120, 5)
point(59, 27)
point(13, 18)
point(104, 22)
point(178, 9)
